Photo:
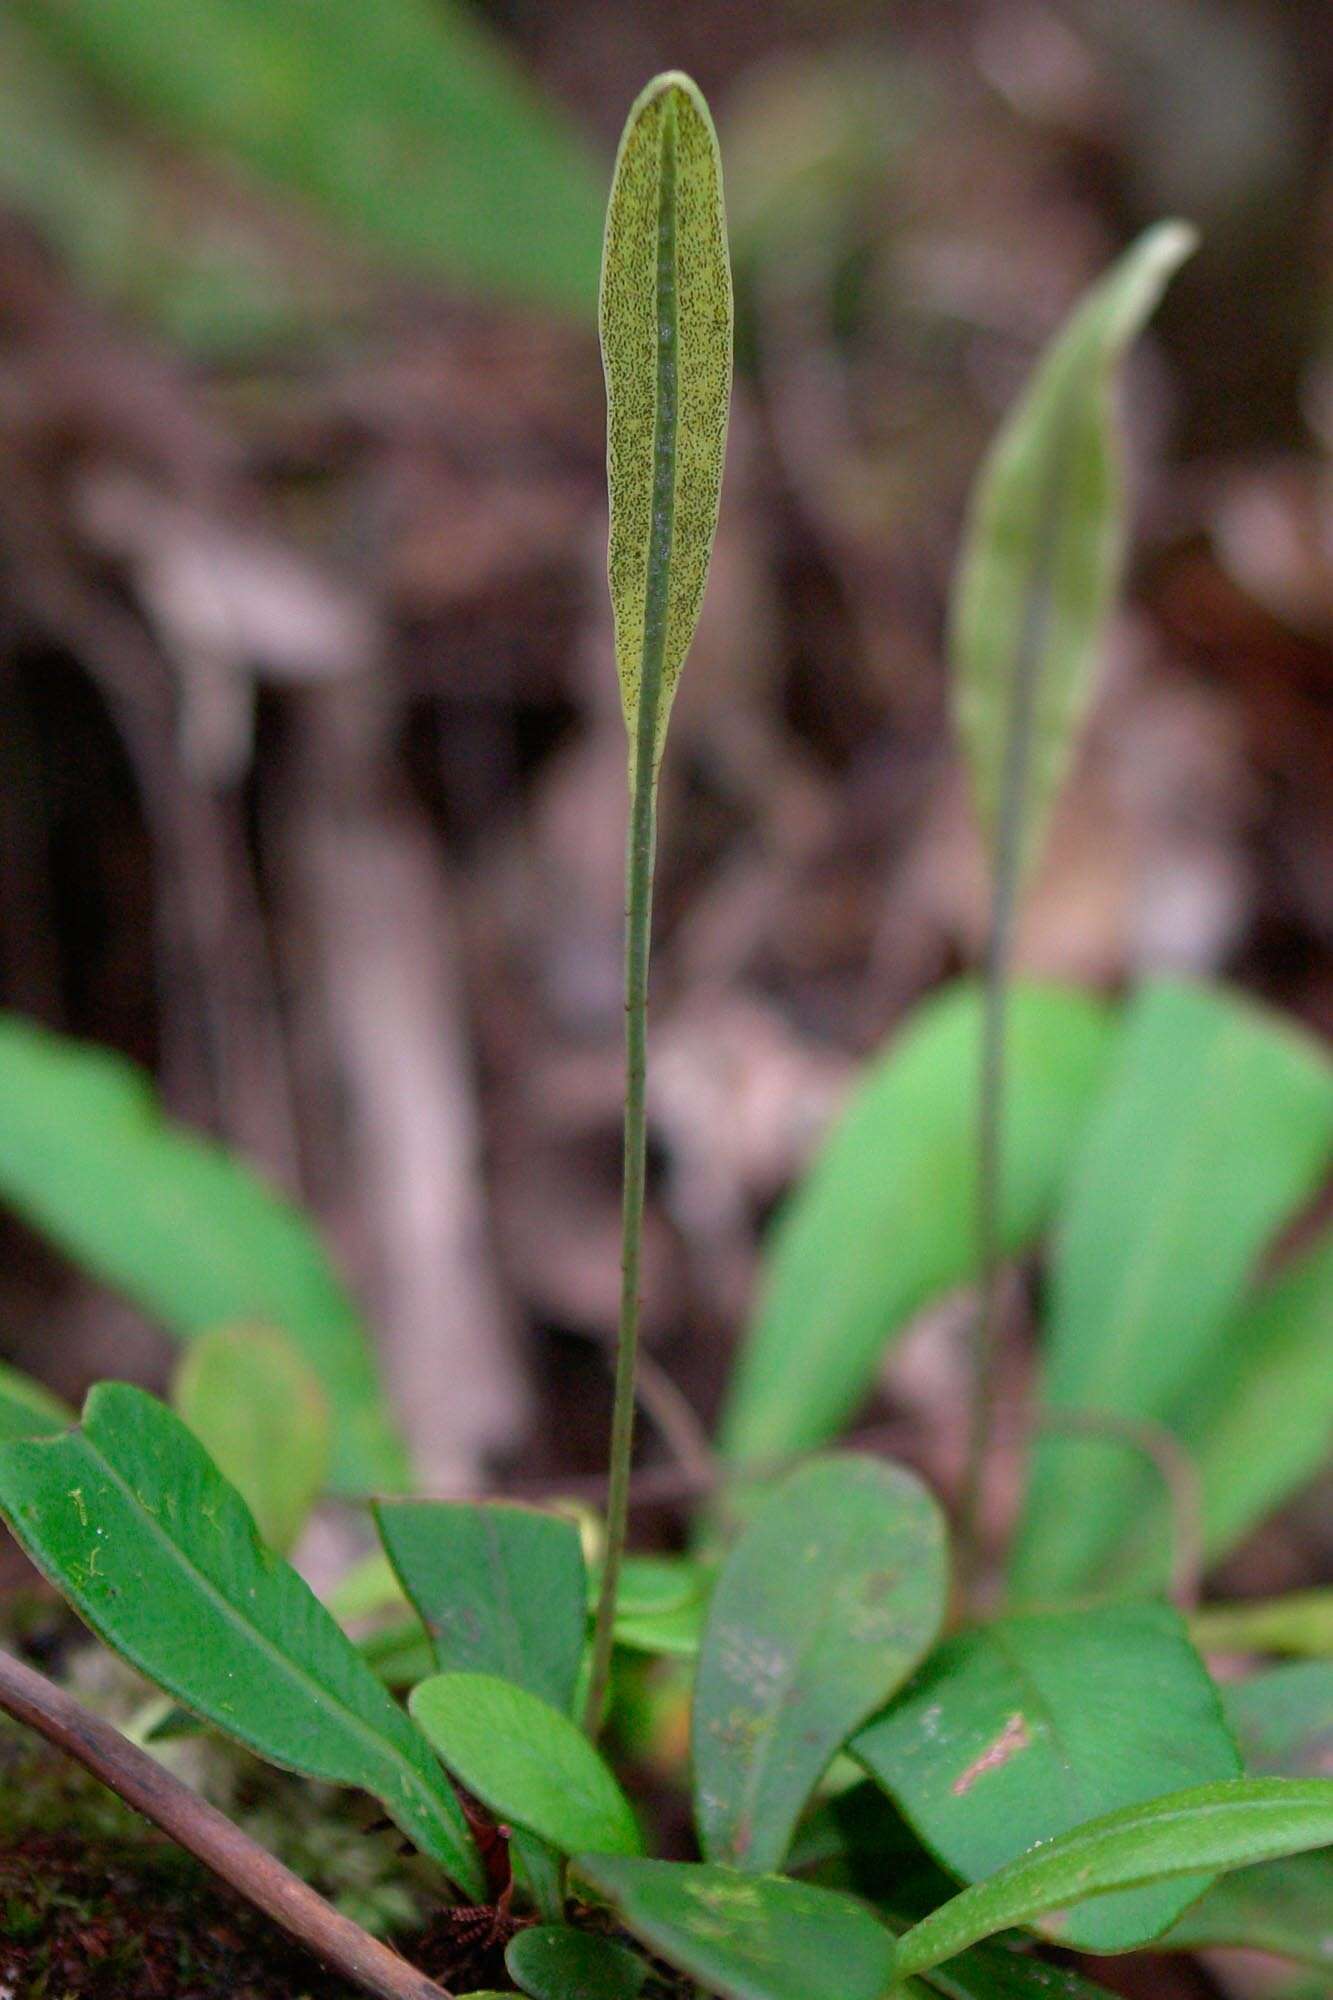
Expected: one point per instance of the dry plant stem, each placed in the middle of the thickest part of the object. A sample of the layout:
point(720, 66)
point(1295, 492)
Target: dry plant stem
point(638, 934)
point(210, 1837)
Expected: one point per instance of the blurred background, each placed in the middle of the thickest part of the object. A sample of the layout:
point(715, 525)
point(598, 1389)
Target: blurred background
point(311, 759)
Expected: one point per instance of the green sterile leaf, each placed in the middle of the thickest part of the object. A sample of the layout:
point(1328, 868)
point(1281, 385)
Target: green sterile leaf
point(1042, 557)
point(993, 1972)
point(833, 1593)
point(1300, 1623)
point(1283, 1720)
point(886, 1220)
point(500, 1589)
point(748, 1937)
point(423, 140)
point(556, 1962)
point(133, 1523)
point(1203, 1830)
point(666, 320)
point(27, 1409)
point(652, 1586)
point(1282, 1907)
point(1019, 1730)
point(260, 1414)
point(180, 1226)
point(400, 1654)
point(1261, 1423)
point(526, 1761)
point(858, 1841)
point(370, 1586)
point(1216, 1124)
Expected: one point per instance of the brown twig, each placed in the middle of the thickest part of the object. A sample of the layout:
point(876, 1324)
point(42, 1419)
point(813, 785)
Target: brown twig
point(210, 1837)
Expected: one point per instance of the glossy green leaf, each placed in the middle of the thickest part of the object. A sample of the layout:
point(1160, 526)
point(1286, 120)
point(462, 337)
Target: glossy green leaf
point(1283, 1907)
point(1261, 1424)
point(1300, 1623)
point(1283, 1720)
point(132, 1522)
point(422, 140)
point(527, 1761)
point(556, 1962)
point(258, 1410)
point(858, 1841)
point(666, 317)
point(748, 1937)
point(183, 1228)
point(27, 1409)
point(1216, 1125)
point(1019, 1730)
point(993, 1972)
point(1042, 558)
point(885, 1222)
point(1204, 1830)
point(369, 1587)
point(831, 1596)
point(500, 1589)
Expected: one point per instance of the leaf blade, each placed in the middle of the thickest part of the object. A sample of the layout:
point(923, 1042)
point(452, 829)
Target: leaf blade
point(526, 1761)
point(1216, 1124)
point(158, 1554)
point(184, 1229)
point(890, 1203)
point(833, 1593)
point(557, 1962)
point(1020, 1730)
point(258, 1410)
point(29, 1410)
point(748, 1937)
point(501, 1589)
point(1206, 1828)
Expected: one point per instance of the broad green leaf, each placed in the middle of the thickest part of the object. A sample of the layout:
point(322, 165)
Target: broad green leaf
point(666, 344)
point(661, 1605)
point(556, 1962)
point(500, 1589)
point(91, 187)
point(183, 1228)
point(27, 1409)
point(834, 1592)
point(1261, 1424)
point(885, 1222)
point(993, 1972)
point(655, 1585)
point(258, 1410)
point(1283, 1720)
point(422, 139)
point(370, 1586)
point(1017, 1731)
point(527, 1761)
point(1216, 1125)
point(1206, 1829)
point(400, 1654)
point(858, 1841)
point(132, 1522)
point(1300, 1623)
point(748, 1937)
point(1282, 1907)
point(1042, 558)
